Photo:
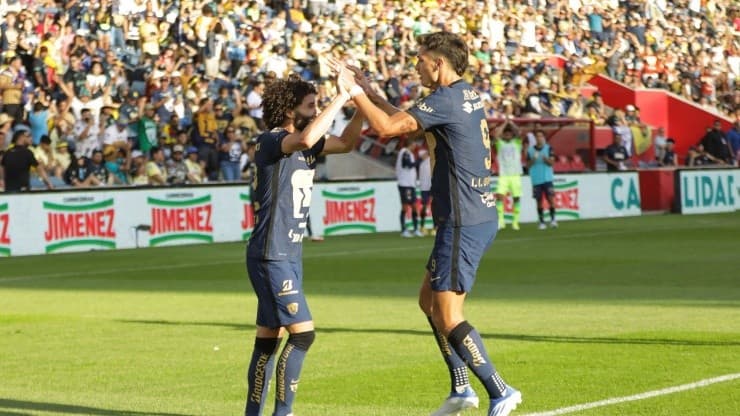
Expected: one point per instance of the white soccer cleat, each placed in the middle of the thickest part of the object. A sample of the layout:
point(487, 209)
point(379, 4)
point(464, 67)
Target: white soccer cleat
point(542, 226)
point(406, 234)
point(506, 404)
point(457, 402)
point(553, 224)
point(418, 233)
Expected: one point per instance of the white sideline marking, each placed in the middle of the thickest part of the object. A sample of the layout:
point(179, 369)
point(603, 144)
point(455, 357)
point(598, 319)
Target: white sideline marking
point(240, 260)
point(641, 396)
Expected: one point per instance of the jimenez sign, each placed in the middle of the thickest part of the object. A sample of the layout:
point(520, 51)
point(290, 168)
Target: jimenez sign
point(4, 234)
point(566, 200)
point(349, 211)
point(247, 223)
point(175, 219)
point(72, 225)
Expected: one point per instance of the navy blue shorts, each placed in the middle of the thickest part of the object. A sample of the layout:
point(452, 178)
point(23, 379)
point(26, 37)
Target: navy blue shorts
point(456, 255)
point(279, 289)
point(546, 188)
point(426, 196)
point(408, 194)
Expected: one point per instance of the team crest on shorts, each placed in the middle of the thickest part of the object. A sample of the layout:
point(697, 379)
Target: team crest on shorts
point(293, 308)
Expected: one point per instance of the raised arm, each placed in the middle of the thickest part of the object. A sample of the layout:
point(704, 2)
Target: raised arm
point(308, 137)
point(384, 118)
point(346, 142)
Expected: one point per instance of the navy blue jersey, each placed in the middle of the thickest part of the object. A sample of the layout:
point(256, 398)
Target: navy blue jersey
point(281, 197)
point(457, 134)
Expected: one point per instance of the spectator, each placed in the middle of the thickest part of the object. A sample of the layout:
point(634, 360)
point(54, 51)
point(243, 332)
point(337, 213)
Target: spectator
point(669, 158)
point(62, 157)
point(698, 156)
point(660, 143)
point(616, 155)
point(17, 163)
point(715, 143)
point(254, 103)
point(38, 119)
point(733, 137)
point(116, 135)
point(12, 79)
point(117, 163)
point(246, 164)
point(79, 174)
point(86, 132)
point(147, 130)
point(49, 161)
point(98, 168)
point(231, 152)
point(177, 170)
point(196, 168)
point(138, 167)
point(156, 171)
point(620, 125)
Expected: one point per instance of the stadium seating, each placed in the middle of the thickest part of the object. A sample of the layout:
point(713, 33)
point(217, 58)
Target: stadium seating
point(576, 164)
point(561, 164)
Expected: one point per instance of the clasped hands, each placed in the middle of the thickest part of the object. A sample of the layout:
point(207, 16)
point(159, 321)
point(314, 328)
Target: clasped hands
point(350, 80)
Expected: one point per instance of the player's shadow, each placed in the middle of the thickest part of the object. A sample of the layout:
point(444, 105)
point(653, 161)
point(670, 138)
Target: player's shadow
point(510, 337)
point(11, 407)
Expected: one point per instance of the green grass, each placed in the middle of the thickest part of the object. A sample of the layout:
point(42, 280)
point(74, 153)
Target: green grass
point(587, 312)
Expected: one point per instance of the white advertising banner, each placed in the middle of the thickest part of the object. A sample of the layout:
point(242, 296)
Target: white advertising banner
point(356, 207)
point(708, 190)
point(57, 222)
point(602, 195)
point(366, 207)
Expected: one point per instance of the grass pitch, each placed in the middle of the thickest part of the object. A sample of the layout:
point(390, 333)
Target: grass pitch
point(591, 311)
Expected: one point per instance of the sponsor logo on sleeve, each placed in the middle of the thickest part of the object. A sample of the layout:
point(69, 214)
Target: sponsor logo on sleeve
point(421, 105)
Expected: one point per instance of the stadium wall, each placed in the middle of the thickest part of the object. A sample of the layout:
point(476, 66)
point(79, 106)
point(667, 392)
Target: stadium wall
point(107, 219)
point(683, 120)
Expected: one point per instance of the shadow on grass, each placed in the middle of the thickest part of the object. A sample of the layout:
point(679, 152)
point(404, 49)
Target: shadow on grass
point(70, 409)
point(509, 337)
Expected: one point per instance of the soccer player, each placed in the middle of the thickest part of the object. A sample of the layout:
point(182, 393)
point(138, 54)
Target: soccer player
point(539, 161)
point(406, 178)
point(509, 157)
point(425, 185)
point(285, 157)
point(463, 208)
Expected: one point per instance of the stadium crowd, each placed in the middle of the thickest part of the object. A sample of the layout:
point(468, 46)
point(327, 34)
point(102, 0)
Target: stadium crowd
point(169, 92)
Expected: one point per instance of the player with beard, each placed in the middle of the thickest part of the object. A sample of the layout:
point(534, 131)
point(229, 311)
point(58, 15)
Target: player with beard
point(285, 158)
point(452, 118)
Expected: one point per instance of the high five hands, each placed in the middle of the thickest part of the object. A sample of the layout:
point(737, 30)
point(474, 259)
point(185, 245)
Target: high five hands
point(350, 79)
